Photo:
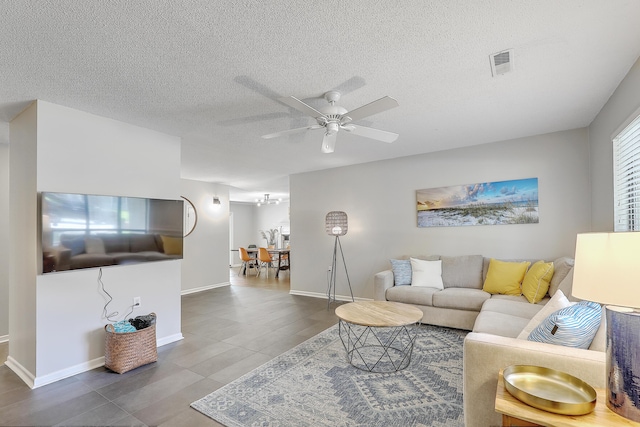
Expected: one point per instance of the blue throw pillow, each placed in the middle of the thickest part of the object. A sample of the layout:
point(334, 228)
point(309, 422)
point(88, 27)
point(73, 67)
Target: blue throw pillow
point(573, 326)
point(401, 271)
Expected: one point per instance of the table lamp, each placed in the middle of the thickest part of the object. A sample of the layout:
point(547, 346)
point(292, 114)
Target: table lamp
point(607, 270)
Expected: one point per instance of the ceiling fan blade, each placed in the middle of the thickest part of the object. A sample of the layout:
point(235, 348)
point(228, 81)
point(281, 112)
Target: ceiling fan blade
point(380, 135)
point(328, 143)
point(294, 102)
point(290, 131)
point(375, 107)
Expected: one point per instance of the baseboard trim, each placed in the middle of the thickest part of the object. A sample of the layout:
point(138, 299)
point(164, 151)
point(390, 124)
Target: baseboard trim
point(35, 382)
point(4, 338)
point(204, 288)
point(170, 339)
point(23, 373)
point(324, 296)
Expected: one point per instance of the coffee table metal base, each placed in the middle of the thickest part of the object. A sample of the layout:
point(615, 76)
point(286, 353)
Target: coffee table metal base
point(378, 349)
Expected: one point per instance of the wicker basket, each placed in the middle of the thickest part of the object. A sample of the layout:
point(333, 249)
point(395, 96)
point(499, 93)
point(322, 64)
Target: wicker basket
point(125, 351)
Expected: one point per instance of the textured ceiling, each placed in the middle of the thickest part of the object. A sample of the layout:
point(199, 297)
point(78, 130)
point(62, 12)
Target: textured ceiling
point(212, 71)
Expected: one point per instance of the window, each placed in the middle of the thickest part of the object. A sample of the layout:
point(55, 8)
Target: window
point(87, 214)
point(626, 178)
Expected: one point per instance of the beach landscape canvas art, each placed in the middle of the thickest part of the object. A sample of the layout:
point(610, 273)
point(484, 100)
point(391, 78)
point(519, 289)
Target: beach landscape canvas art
point(487, 203)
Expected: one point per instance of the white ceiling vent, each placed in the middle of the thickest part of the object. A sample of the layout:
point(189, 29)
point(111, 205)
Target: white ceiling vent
point(501, 62)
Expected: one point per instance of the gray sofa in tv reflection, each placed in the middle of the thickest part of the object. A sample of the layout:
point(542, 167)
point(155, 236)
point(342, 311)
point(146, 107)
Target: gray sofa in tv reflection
point(99, 250)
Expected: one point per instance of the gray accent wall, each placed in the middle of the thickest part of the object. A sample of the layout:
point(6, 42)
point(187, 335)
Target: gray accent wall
point(4, 237)
point(380, 200)
point(623, 106)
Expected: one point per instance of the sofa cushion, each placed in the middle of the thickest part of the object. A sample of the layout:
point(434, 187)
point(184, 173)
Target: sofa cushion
point(505, 277)
point(94, 245)
point(143, 243)
point(91, 260)
point(401, 271)
point(74, 243)
point(556, 302)
point(115, 242)
point(573, 326)
point(502, 324)
point(536, 281)
point(460, 298)
point(561, 268)
point(411, 295)
point(513, 308)
point(517, 298)
point(426, 273)
point(462, 271)
point(566, 287)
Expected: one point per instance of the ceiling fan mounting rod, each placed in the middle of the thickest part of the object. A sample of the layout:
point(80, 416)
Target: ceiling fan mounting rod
point(332, 96)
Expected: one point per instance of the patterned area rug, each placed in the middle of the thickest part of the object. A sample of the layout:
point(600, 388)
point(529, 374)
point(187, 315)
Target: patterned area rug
point(314, 385)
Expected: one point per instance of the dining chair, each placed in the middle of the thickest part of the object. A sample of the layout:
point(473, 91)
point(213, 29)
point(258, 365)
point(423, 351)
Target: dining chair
point(247, 262)
point(264, 259)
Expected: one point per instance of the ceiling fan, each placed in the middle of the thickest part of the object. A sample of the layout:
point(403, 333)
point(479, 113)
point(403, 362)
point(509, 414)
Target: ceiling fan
point(332, 118)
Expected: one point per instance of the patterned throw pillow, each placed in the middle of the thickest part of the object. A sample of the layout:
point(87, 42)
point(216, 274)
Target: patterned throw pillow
point(573, 326)
point(401, 271)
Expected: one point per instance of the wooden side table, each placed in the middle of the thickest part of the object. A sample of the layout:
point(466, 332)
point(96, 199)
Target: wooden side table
point(518, 414)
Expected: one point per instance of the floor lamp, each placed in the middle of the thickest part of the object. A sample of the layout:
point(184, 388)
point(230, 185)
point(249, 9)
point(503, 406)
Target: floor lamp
point(606, 271)
point(336, 225)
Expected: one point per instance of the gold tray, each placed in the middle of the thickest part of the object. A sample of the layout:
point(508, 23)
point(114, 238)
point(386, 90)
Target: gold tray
point(549, 390)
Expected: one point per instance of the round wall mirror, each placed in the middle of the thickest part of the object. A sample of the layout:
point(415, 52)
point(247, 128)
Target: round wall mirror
point(190, 217)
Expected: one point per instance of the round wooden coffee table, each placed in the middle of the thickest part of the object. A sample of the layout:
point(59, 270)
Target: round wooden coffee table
point(378, 336)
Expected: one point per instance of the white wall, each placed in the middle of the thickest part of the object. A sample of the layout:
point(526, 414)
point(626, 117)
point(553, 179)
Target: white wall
point(22, 243)
point(380, 200)
point(82, 153)
point(622, 107)
point(244, 228)
point(206, 249)
point(4, 237)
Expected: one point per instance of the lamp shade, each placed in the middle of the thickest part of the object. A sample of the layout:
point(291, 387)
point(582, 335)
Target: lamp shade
point(335, 223)
point(607, 268)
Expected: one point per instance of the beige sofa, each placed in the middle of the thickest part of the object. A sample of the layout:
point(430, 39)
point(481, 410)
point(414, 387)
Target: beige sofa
point(103, 249)
point(495, 322)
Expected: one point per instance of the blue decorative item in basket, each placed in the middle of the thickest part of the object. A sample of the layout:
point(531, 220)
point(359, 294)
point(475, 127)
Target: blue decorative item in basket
point(123, 326)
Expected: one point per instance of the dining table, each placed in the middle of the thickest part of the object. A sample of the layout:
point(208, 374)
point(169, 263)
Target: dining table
point(284, 258)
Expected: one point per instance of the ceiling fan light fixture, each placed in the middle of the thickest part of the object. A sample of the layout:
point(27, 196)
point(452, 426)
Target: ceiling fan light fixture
point(332, 128)
point(333, 117)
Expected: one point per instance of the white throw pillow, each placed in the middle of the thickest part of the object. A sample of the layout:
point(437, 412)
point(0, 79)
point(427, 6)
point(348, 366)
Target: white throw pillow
point(426, 273)
point(557, 302)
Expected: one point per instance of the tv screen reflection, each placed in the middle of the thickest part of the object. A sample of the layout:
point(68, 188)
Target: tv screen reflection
point(87, 231)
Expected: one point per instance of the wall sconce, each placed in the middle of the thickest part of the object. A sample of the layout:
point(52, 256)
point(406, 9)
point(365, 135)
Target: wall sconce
point(216, 202)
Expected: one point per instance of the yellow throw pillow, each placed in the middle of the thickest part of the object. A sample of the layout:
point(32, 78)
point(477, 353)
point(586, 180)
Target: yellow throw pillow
point(505, 277)
point(172, 245)
point(536, 282)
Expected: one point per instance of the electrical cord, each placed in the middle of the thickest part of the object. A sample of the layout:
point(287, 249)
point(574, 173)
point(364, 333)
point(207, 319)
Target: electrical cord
point(110, 317)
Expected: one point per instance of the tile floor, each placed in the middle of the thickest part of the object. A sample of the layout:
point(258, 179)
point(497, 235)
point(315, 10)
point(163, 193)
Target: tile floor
point(227, 332)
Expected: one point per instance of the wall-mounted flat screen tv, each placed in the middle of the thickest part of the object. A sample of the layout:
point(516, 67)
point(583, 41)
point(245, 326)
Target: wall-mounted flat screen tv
point(88, 231)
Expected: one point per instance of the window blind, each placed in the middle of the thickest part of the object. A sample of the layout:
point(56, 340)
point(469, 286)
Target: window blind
point(626, 183)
